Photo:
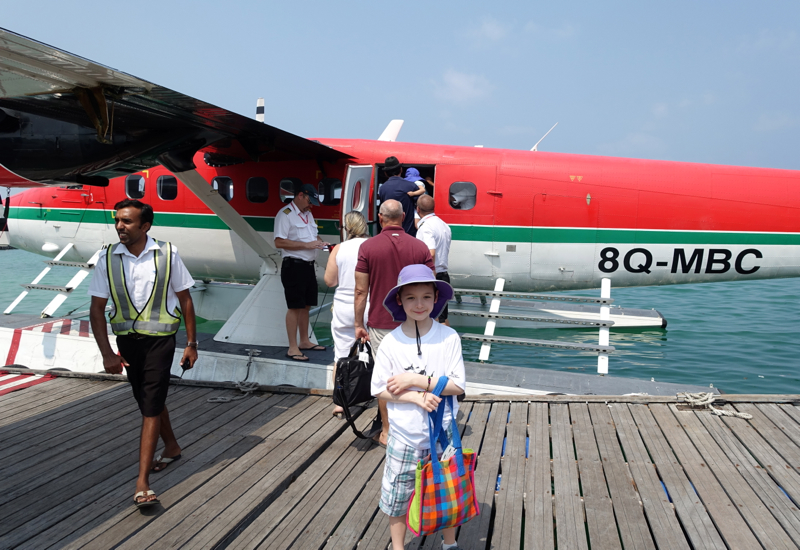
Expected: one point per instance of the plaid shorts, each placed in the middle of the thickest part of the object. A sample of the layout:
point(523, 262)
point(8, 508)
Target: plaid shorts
point(400, 475)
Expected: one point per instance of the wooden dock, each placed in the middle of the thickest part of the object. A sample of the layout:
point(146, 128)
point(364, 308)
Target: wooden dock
point(275, 470)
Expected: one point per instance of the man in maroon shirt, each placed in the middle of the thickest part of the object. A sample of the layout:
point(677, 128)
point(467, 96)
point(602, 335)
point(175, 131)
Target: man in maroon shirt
point(380, 260)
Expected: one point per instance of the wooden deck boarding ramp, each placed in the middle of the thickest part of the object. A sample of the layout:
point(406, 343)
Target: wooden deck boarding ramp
point(603, 349)
point(275, 470)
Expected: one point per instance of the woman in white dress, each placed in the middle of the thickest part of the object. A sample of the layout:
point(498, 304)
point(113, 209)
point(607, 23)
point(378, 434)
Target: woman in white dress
point(340, 271)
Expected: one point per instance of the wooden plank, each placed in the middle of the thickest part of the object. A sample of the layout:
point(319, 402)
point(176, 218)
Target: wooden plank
point(252, 490)
point(255, 477)
point(313, 525)
point(20, 479)
point(628, 508)
point(74, 476)
point(791, 410)
point(725, 514)
point(785, 423)
point(225, 447)
point(664, 525)
point(509, 499)
point(199, 447)
point(310, 488)
point(358, 518)
point(690, 511)
point(77, 411)
point(756, 475)
point(31, 404)
point(779, 440)
point(718, 459)
point(538, 481)
point(62, 436)
point(570, 530)
point(596, 501)
point(475, 534)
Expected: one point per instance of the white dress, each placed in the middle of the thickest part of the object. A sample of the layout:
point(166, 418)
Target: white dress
point(343, 323)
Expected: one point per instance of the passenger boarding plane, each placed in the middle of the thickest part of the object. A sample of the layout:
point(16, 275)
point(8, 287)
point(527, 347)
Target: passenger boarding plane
point(84, 136)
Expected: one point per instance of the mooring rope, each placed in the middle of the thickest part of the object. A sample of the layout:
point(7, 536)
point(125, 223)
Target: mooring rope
point(705, 399)
point(245, 387)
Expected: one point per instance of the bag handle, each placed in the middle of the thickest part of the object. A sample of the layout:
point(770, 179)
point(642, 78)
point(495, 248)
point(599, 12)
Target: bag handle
point(436, 431)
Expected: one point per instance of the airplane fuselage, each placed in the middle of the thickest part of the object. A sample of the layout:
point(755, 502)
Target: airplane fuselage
point(543, 221)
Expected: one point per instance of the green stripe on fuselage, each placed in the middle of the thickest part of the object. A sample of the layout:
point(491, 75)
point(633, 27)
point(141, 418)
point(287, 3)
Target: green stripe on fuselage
point(499, 233)
point(192, 221)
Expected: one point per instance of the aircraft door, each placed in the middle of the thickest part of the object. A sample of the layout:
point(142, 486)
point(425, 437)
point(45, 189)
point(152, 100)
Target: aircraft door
point(65, 216)
point(355, 194)
point(563, 240)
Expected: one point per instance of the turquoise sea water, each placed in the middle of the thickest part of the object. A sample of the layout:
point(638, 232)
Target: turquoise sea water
point(742, 337)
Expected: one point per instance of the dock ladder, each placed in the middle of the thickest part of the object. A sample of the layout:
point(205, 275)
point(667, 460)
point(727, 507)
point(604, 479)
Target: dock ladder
point(63, 291)
point(604, 323)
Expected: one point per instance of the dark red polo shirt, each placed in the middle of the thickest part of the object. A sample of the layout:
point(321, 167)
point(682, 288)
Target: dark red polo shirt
point(383, 257)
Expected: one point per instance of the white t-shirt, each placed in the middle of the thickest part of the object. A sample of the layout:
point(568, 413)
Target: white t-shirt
point(436, 235)
point(140, 276)
point(293, 225)
point(441, 356)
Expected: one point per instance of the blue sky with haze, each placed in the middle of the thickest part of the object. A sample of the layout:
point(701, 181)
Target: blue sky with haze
point(691, 81)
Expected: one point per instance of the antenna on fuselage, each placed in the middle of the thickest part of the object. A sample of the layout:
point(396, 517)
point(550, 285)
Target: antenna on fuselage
point(534, 148)
point(260, 109)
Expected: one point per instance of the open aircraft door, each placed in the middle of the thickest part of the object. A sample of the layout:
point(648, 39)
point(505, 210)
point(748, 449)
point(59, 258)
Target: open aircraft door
point(355, 194)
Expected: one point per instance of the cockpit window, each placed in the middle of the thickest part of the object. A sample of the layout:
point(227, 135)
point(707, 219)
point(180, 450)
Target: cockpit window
point(257, 189)
point(463, 195)
point(167, 188)
point(224, 187)
point(134, 186)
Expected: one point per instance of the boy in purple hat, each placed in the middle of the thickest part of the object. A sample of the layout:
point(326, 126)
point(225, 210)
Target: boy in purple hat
point(410, 361)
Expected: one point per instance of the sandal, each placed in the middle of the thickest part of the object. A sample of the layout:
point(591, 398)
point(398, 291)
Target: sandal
point(314, 348)
point(162, 462)
point(144, 495)
point(298, 357)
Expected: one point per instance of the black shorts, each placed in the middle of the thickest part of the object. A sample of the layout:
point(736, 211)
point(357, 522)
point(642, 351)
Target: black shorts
point(299, 283)
point(150, 360)
point(443, 276)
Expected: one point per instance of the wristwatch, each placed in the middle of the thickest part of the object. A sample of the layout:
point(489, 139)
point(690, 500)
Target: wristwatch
point(191, 345)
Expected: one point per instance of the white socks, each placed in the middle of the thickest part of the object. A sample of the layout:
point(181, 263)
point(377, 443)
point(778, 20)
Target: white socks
point(449, 546)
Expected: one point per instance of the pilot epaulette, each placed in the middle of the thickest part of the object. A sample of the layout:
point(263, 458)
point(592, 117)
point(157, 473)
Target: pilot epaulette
point(287, 210)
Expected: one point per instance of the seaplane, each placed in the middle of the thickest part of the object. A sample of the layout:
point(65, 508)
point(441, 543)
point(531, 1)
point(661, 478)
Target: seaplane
point(82, 136)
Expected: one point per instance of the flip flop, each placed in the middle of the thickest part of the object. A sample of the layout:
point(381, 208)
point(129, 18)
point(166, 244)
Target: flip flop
point(296, 357)
point(318, 347)
point(144, 503)
point(163, 462)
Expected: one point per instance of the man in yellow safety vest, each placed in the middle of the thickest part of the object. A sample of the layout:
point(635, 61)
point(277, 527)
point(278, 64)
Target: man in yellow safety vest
point(149, 289)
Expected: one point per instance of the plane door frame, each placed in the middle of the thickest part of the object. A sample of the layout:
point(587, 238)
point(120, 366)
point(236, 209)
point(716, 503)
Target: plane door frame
point(356, 192)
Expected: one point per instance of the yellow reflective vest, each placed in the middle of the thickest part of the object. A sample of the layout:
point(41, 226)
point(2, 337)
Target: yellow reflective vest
point(154, 319)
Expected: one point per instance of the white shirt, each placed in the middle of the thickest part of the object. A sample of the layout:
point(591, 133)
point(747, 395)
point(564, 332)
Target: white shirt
point(293, 225)
point(346, 260)
point(140, 276)
point(437, 236)
point(441, 356)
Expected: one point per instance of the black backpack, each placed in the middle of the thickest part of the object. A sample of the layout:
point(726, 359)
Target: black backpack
point(353, 381)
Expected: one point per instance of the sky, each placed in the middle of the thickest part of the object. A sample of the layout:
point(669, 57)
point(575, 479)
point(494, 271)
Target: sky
point(692, 81)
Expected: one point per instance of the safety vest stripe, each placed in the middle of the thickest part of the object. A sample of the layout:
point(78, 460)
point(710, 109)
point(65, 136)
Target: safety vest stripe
point(118, 280)
point(148, 326)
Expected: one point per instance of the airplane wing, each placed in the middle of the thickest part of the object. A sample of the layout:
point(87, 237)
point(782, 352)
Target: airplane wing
point(65, 119)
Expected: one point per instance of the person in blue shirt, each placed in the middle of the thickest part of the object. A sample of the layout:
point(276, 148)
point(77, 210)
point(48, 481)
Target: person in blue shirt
point(400, 190)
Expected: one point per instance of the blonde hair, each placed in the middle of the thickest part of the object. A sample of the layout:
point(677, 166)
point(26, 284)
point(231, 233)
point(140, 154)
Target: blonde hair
point(355, 225)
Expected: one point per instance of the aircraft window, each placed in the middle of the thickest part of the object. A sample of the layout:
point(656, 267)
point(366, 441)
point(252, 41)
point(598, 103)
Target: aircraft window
point(134, 186)
point(357, 195)
point(330, 191)
point(463, 195)
point(289, 187)
point(224, 187)
point(167, 188)
point(257, 189)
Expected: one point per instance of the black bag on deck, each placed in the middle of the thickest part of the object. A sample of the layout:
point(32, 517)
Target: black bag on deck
point(353, 380)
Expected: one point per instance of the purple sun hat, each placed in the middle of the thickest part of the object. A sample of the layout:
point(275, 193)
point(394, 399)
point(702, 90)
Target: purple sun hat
point(412, 175)
point(417, 273)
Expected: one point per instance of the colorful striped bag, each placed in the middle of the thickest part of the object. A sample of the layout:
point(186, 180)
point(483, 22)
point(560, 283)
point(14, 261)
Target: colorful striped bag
point(444, 494)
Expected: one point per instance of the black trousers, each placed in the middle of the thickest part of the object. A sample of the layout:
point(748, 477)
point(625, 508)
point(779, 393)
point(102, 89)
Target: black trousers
point(150, 360)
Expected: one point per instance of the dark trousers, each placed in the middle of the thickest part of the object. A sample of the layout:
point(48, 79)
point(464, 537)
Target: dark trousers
point(150, 359)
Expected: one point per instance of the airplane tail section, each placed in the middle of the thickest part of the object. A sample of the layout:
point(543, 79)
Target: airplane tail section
point(391, 131)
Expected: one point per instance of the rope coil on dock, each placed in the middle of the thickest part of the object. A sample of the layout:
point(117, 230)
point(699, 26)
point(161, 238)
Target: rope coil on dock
point(705, 399)
point(245, 387)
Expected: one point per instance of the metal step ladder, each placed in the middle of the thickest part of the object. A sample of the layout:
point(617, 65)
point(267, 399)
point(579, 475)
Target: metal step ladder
point(63, 291)
point(603, 349)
